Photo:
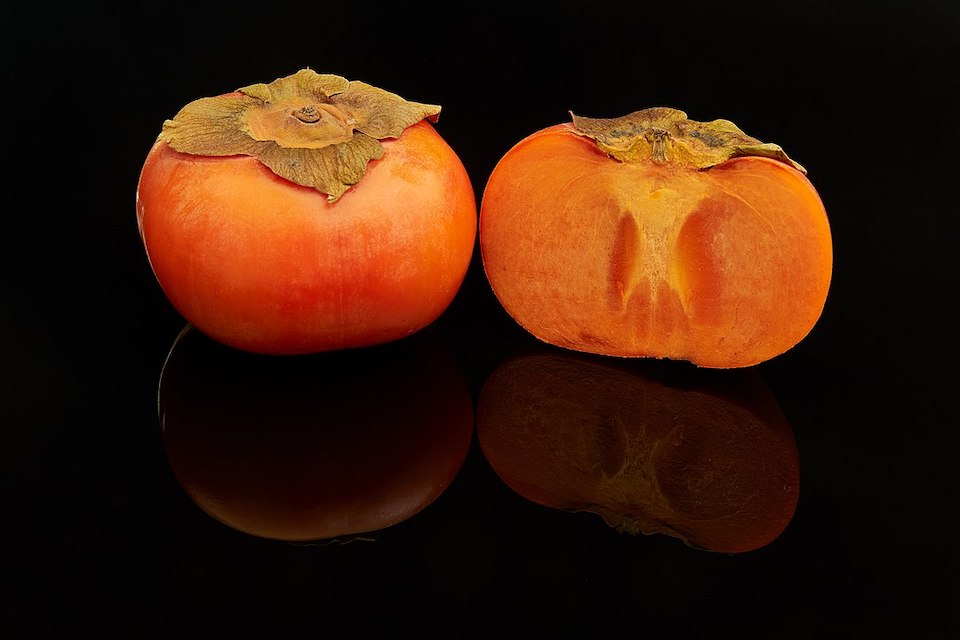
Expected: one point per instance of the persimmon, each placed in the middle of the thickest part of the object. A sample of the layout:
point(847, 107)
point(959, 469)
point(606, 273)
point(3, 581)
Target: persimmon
point(709, 460)
point(294, 448)
point(306, 215)
point(653, 235)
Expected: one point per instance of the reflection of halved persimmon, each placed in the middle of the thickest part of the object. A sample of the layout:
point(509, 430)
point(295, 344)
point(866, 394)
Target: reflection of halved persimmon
point(314, 447)
point(711, 461)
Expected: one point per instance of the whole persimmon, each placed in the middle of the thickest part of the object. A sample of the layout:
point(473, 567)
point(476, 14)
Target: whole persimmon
point(309, 214)
point(653, 235)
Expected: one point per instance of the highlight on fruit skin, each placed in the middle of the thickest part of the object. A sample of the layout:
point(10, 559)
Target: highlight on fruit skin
point(704, 456)
point(653, 235)
point(309, 214)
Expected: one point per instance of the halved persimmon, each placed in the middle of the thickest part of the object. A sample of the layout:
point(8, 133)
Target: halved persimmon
point(653, 235)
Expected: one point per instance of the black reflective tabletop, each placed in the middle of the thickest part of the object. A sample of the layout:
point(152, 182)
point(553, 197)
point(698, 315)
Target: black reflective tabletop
point(469, 480)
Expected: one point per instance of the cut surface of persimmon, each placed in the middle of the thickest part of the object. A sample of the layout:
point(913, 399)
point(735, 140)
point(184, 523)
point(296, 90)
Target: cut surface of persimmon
point(653, 235)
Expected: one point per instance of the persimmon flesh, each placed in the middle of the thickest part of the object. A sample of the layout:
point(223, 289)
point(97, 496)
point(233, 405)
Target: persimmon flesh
point(310, 226)
point(650, 254)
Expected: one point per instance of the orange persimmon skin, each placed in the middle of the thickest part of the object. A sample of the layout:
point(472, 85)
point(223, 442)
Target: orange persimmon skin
point(723, 267)
point(264, 265)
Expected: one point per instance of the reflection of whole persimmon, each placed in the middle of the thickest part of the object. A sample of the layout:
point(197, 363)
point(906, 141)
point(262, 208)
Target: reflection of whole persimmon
point(314, 447)
point(710, 460)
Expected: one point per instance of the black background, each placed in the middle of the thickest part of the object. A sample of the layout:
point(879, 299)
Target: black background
point(98, 538)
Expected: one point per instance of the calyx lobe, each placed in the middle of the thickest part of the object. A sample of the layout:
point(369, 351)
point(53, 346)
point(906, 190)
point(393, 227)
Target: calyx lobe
point(316, 130)
point(666, 135)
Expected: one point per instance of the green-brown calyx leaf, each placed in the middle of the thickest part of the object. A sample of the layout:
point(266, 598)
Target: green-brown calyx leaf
point(317, 130)
point(666, 135)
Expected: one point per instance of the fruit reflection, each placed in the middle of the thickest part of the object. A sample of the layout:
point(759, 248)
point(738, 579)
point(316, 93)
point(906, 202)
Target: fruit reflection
point(704, 456)
point(314, 447)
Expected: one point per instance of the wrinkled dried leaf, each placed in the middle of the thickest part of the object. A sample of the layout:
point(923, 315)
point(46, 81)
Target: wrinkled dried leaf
point(212, 127)
point(331, 170)
point(382, 114)
point(303, 83)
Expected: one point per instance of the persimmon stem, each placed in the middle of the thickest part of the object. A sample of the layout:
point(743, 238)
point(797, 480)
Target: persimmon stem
point(663, 135)
point(308, 114)
point(316, 130)
point(660, 146)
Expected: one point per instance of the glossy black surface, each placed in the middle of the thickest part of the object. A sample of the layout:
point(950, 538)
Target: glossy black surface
point(100, 537)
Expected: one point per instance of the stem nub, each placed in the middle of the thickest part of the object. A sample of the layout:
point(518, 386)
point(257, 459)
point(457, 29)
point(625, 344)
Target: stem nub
point(307, 114)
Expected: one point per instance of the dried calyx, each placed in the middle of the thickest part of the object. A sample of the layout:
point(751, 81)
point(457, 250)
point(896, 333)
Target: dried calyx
point(317, 130)
point(666, 135)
